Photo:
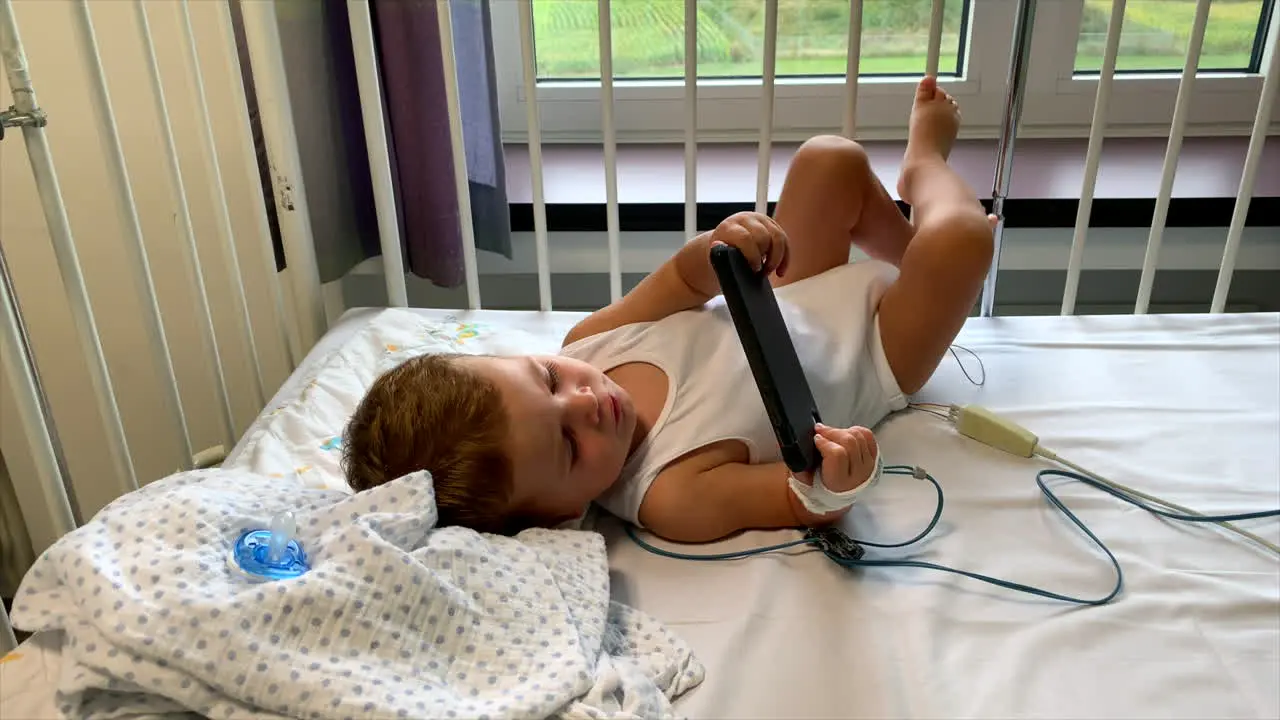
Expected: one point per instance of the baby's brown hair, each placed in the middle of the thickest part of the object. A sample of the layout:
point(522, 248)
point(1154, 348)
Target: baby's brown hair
point(433, 413)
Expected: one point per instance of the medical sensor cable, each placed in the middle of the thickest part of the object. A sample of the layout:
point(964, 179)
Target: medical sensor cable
point(979, 423)
point(988, 428)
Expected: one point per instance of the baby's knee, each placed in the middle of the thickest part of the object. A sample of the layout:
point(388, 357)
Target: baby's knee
point(832, 155)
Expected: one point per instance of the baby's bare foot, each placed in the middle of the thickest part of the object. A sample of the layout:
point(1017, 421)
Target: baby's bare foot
point(931, 131)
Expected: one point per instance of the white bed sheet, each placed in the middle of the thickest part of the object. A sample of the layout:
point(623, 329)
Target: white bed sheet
point(547, 329)
point(1187, 407)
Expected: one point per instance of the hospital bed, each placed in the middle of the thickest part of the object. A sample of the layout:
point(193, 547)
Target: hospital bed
point(1179, 405)
point(1183, 406)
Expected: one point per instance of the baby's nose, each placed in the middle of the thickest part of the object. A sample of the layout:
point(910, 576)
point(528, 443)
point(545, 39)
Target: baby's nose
point(586, 405)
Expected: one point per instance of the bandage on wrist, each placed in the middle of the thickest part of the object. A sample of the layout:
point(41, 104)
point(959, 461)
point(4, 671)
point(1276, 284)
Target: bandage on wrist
point(820, 500)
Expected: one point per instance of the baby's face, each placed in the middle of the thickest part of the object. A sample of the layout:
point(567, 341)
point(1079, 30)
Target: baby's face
point(571, 430)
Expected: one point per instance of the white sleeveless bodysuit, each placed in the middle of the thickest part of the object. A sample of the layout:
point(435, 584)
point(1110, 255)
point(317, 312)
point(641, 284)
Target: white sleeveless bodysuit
point(711, 395)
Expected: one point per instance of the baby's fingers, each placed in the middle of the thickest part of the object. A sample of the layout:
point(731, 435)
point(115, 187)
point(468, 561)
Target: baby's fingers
point(835, 458)
point(761, 241)
point(862, 445)
point(777, 245)
point(743, 237)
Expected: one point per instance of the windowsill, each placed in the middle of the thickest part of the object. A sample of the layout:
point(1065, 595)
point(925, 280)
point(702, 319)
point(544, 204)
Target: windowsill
point(1044, 192)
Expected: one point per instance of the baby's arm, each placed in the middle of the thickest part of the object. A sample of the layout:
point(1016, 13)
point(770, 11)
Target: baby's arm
point(709, 495)
point(687, 280)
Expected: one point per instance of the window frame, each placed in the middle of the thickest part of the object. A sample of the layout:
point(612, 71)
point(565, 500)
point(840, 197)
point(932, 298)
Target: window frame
point(1058, 101)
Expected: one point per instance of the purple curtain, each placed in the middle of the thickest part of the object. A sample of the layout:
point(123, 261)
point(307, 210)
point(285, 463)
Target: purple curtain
point(407, 37)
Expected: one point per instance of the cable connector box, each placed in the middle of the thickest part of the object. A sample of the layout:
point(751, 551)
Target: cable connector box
point(979, 423)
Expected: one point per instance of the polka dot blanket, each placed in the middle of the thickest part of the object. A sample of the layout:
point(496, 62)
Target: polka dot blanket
point(396, 618)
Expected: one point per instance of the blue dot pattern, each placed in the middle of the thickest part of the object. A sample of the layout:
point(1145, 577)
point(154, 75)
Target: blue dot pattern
point(397, 618)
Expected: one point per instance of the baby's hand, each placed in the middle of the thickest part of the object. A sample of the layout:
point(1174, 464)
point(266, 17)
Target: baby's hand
point(848, 460)
point(759, 238)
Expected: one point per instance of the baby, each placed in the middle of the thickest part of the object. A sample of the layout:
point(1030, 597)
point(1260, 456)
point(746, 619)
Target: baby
point(650, 407)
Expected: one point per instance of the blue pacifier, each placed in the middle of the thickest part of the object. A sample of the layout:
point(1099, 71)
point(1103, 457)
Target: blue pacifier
point(272, 554)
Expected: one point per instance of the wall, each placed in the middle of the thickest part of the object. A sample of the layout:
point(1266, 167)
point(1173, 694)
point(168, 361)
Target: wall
point(57, 64)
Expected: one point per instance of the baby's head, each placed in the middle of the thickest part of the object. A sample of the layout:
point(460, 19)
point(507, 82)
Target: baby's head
point(511, 442)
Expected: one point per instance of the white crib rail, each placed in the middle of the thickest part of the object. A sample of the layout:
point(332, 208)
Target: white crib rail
point(852, 58)
point(275, 110)
point(1181, 107)
point(191, 255)
point(459, 154)
point(1015, 91)
point(135, 247)
point(253, 180)
point(55, 214)
point(934, 49)
point(375, 136)
point(610, 141)
point(767, 89)
point(535, 154)
point(1093, 154)
point(46, 498)
point(691, 119)
point(209, 152)
point(1252, 159)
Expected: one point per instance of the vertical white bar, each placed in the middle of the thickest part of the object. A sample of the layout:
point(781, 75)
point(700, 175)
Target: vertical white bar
point(610, 150)
point(195, 274)
point(853, 58)
point(766, 104)
point(134, 246)
point(275, 110)
point(375, 137)
point(1252, 159)
point(445, 21)
point(690, 119)
point(935, 39)
point(47, 496)
point(64, 249)
point(226, 236)
point(1180, 108)
point(534, 124)
point(254, 180)
point(1097, 129)
point(1024, 21)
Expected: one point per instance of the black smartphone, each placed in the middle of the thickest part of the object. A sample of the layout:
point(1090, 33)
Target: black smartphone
point(771, 355)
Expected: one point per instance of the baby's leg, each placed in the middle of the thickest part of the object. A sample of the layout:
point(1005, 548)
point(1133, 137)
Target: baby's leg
point(832, 199)
point(944, 265)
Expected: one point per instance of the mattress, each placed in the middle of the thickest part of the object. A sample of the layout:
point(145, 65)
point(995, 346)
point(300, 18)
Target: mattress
point(1186, 407)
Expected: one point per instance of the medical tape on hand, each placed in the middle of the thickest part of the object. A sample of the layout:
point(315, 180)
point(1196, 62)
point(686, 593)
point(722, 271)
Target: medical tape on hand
point(819, 500)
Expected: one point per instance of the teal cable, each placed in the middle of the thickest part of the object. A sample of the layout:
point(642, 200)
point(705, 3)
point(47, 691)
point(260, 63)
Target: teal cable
point(1050, 497)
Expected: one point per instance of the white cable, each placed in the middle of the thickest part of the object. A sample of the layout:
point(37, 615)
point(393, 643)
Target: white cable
point(1174, 507)
point(990, 429)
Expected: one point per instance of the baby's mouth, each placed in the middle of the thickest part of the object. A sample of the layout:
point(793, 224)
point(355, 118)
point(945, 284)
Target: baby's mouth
point(615, 406)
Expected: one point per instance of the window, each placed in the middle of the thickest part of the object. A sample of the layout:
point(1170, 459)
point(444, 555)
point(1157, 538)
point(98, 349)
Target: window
point(648, 44)
point(648, 38)
point(1155, 33)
